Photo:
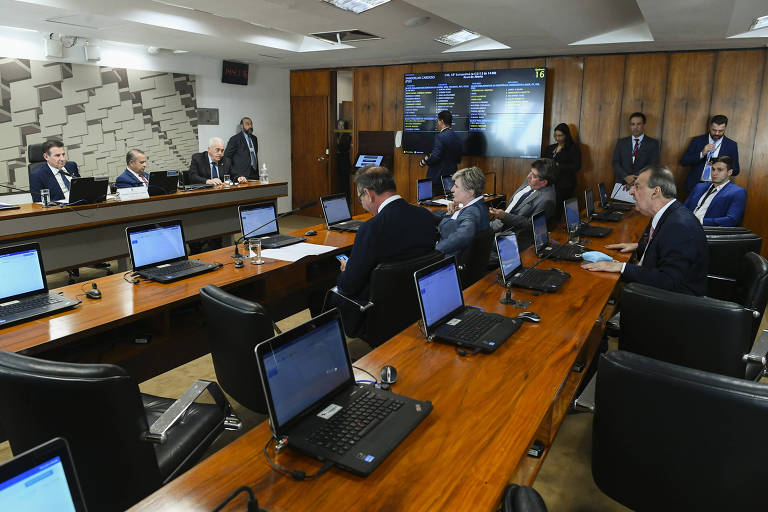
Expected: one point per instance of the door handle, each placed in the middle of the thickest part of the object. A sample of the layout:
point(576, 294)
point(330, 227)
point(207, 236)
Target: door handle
point(321, 159)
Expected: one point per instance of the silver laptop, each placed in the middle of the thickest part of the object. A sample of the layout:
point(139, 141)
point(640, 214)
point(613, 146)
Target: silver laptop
point(259, 221)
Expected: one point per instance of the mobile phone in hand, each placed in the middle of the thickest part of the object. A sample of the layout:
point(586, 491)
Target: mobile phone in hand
point(342, 257)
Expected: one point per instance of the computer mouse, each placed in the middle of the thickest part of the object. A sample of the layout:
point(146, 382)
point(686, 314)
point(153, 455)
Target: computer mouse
point(94, 292)
point(239, 263)
point(311, 232)
point(529, 316)
point(388, 374)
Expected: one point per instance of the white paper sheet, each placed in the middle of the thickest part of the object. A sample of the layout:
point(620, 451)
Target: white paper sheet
point(620, 194)
point(296, 251)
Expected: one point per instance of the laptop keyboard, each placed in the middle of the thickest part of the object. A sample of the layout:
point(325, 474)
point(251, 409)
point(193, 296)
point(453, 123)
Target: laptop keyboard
point(354, 422)
point(566, 252)
point(536, 279)
point(276, 239)
point(28, 304)
point(471, 327)
point(175, 268)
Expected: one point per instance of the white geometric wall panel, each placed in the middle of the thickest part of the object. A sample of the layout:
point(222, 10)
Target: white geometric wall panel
point(98, 112)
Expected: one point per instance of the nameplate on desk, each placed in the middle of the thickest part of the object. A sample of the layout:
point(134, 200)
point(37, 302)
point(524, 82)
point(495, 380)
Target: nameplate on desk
point(132, 193)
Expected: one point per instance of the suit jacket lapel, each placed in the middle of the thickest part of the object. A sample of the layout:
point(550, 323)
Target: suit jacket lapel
point(660, 224)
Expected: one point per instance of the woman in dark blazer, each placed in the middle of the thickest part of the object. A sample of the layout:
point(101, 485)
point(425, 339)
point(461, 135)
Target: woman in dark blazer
point(566, 155)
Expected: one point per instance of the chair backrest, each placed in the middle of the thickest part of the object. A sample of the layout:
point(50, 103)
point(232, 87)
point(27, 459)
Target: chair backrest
point(474, 259)
point(393, 293)
point(724, 230)
point(726, 253)
point(698, 332)
point(666, 437)
point(97, 408)
point(752, 286)
point(235, 327)
point(34, 156)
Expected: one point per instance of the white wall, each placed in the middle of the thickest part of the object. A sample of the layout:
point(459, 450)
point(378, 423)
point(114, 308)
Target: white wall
point(266, 99)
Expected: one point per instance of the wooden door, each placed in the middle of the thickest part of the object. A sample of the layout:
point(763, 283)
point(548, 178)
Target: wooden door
point(310, 177)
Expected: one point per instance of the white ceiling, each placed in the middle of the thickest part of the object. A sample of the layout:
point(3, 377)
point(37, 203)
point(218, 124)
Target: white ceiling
point(275, 32)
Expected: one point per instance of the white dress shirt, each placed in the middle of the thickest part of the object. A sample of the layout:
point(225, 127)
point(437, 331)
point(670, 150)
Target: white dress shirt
point(457, 212)
point(60, 180)
point(387, 201)
point(701, 209)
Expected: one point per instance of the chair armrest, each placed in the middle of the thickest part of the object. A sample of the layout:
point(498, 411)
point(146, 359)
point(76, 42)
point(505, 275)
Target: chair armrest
point(363, 307)
point(757, 355)
point(721, 278)
point(586, 400)
point(158, 430)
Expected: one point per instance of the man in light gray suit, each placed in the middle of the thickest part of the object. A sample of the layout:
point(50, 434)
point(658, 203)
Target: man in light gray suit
point(536, 194)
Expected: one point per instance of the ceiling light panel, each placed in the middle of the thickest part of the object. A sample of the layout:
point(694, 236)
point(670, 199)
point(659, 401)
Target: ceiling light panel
point(356, 6)
point(456, 38)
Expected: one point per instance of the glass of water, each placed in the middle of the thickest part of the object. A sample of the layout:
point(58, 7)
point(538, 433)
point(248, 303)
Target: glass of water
point(255, 250)
point(45, 196)
point(227, 183)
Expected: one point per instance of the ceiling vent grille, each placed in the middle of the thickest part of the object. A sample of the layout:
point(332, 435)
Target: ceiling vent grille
point(345, 36)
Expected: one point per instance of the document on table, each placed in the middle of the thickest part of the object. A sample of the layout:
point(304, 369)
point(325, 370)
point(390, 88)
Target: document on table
point(620, 194)
point(445, 202)
point(296, 251)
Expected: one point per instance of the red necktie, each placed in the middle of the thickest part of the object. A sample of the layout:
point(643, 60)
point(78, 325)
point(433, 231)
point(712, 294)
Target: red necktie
point(637, 146)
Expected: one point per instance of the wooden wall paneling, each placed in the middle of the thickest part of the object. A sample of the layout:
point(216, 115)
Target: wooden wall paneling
point(489, 164)
point(467, 65)
point(368, 99)
point(686, 109)
point(736, 94)
point(599, 122)
point(311, 83)
point(392, 119)
point(417, 172)
point(645, 85)
point(563, 104)
point(757, 178)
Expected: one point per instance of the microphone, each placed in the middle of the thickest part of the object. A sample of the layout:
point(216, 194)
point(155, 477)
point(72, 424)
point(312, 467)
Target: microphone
point(15, 188)
point(237, 254)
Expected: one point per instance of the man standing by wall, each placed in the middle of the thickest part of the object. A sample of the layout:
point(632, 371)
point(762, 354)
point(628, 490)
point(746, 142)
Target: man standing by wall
point(243, 150)
point(704, 148)
point(635, 152)
point(446, 153)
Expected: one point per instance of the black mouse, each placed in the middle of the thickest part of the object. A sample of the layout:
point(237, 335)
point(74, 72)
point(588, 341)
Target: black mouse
point(388, 374)
point(94, 292)
point(239, 263)
point(311, 232)
point(529, 316)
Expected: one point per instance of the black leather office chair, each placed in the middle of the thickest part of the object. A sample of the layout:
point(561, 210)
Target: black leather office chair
point(726, 251)
point(473, 261)
point(235, 327)
point(670, 438)
point(521, 498)
point(125, 444)
point(393, 304)
point(34, 156)
point(724, 230)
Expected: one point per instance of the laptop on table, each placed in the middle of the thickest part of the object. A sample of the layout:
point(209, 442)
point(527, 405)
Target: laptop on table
point(259, 221)
point(612, 205)
point(23, 288)
point(447, 319)
point(605, 216)
point(158, 252)
point(162, 183)
point(514, 274)
point(185, 182)
point(545, 248)
point(43, 478)
point(424, 193)
point(337, 214)
point(87, 190)
point(574, 225)
point(314, 401)
point(447, 186)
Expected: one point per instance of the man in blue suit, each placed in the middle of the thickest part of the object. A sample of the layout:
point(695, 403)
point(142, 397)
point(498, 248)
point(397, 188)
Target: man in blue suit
point(459, 226)
point(55, 175)
point(706, 147)
point(243, 150)
point(720, 203)
point(135, 174)
point(672, 253)
point(446, 153)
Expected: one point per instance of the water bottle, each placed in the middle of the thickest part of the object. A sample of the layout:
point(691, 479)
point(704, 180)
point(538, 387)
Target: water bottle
point(263, 174)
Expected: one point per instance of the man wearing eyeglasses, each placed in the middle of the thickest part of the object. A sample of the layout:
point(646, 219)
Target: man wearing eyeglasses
point(672, 253)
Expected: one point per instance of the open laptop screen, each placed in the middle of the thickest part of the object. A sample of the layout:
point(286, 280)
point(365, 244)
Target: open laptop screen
point(589, 199)
point(447, 184)
point(540, 233)
point(571, 207)
point(424, 189)
point(335, 208)
point(603, 195)
point(509, 254)
point(22, 272)
point(254, 215)
point(303, 366)
point(439, 292)
point(156, 243)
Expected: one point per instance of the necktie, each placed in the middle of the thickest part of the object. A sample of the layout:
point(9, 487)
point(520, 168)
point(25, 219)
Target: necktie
point(214, 171)
point(65, 180)
point(706, 174)
point(704, 199)
point(522, 198)
point(143, 178)
point(637, 146)
point(254, 162)
point(642, 244)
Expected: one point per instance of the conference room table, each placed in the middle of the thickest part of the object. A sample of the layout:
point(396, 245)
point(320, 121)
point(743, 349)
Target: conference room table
point(79, 235)
point(488, 409)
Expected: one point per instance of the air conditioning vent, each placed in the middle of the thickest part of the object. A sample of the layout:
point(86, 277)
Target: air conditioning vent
point(345, 36)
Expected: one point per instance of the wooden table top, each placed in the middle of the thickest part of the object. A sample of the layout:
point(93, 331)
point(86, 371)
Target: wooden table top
point(487, 409)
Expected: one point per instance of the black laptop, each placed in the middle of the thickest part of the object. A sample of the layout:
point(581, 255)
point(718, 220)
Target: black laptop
point(424, 193)
point(605, 216)
point(314, 401)
point(87, 190)
point(158, 252)
point(23, 288)
point(43, 478)
point(447, 319)
point(447, 186)
point(259, 221)
point(514, 274)
point(185, 182)
point(574, 225)
point(337, 214)
point(545, 248)
point(620, 206)
point(162, 183)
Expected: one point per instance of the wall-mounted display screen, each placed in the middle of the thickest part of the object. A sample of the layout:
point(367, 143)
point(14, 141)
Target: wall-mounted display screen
point(495, 112)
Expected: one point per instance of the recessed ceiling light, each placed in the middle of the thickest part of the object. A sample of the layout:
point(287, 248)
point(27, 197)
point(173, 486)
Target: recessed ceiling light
point(462, 36)
point(759, 22)
point(356, 6)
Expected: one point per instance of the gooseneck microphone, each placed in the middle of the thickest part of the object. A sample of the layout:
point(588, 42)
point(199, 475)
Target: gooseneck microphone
point(237, 254)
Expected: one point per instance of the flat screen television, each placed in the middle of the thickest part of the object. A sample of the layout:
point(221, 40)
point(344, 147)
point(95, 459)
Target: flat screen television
point(497, 112)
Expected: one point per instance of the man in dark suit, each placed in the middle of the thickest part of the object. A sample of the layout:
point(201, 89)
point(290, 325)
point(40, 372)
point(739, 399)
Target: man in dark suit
point(720, 203)
point(446, 153)
point(672, 254)
point(55, 174)
point(211, 166)
point(634, 153)
point(135, 173)
point(398, 231)
point(243, 150)
point(704, 148)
